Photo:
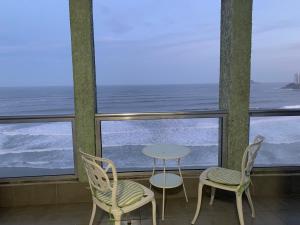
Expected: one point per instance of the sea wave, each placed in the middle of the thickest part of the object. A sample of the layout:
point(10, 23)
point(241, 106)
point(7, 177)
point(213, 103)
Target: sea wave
point(28, 145)
point(291, 107)
point(60, 159)
point(50, 145)
point(190, 132)
point(24, 143)
point(277, 130)
point(9, 151)
point(50, 128)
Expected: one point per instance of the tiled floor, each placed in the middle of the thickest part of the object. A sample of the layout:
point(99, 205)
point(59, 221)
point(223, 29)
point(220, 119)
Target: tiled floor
point(269, 211)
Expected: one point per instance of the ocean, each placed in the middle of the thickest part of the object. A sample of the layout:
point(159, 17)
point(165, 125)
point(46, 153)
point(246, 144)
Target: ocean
point(32, 149)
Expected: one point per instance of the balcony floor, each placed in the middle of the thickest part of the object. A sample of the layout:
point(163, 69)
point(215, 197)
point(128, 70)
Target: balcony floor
point(275, 211)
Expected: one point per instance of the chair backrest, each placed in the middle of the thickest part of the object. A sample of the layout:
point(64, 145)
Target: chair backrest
point(98, 177)
point(249, 158)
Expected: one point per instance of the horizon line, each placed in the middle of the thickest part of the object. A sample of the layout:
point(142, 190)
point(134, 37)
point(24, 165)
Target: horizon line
point(35, 86)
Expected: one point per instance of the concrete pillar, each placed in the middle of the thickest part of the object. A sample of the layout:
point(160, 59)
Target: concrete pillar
point(84, 79)
point(236, 29)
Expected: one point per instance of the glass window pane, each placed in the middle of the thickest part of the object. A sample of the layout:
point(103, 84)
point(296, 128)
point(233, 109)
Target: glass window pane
point(35, 57)
point(157, 56)
point(36, 149)
point(123, 141)
point(281, 146)
point(275, 54)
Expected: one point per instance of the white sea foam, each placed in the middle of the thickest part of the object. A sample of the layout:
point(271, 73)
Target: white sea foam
point(291, 107)
point(25, 143)
point(38, 145)
point(38, 162)
point(39, 159)
point(277, 130)
point(54, 128)
point(201, 132)
point(191, 132)
point(47, 140)
point(9, 151)
point(45, 166)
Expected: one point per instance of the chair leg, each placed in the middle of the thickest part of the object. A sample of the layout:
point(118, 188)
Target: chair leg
point(212, 195)
point(163, 205)
point(239, 205)
point(117, 218)
point(199, 202)
point(250, 201)
point(93, 214)
point(154, 211)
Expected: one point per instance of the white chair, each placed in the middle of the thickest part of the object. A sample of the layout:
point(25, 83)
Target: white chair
point(231, 180)
point(115, 197)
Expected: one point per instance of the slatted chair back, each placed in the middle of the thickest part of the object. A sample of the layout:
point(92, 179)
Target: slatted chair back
point(249, 158)
point(98, 177)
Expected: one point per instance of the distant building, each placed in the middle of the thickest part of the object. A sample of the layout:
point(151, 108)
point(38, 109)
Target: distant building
point(295, 84)
point(297, 78)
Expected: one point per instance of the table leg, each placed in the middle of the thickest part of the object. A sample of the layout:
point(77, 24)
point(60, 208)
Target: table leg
point(163, 205)
point(154, 167)
point(164, 190)
point(179, 169)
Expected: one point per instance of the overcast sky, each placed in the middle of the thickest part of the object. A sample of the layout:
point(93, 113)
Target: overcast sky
point(142, 41)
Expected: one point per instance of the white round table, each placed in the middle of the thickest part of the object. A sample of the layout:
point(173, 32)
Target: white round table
point(166, 180)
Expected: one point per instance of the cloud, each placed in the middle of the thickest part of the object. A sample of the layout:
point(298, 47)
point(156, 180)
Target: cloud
point(117, 26)
point(279, 25)
point(157, 43)
point(189, 41)
point(33, 47)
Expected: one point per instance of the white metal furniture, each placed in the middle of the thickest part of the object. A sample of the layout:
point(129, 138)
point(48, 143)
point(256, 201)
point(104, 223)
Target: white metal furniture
point(166, 180)
point(115, 197)
point(231, 180)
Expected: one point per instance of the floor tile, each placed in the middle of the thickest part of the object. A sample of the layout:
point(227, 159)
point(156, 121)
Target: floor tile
point(273, 211)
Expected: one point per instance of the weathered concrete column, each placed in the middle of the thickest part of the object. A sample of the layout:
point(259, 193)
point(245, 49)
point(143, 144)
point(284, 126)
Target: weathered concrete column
point(84, 79)
point(236, 29)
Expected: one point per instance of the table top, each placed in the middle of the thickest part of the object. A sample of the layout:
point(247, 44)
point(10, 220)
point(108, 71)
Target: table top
point(166, 151)
point(166, 180)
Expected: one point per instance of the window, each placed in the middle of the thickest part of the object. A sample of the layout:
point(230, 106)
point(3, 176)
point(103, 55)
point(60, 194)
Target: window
point(157, 56)
point(35, 58)
point(35, 79)
point(281, 146)
point(126, 139)
point(275, 54)
point(276, 81)
point(36, 149)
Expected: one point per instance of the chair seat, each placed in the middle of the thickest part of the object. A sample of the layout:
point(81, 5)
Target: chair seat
point(128, 193)
point(224, 176)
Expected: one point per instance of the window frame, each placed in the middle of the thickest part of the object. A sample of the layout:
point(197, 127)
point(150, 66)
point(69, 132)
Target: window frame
point(217, 114)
